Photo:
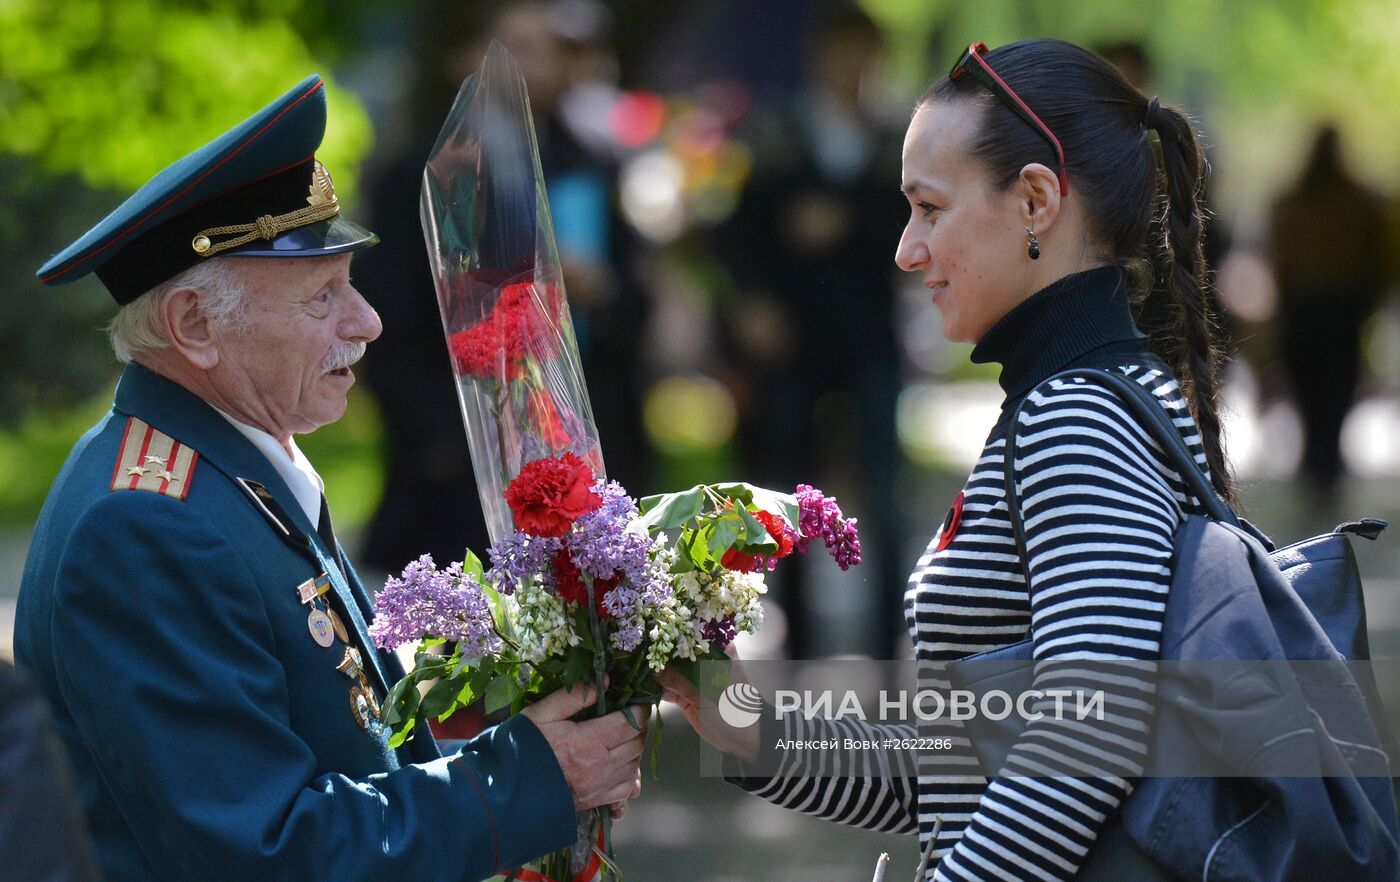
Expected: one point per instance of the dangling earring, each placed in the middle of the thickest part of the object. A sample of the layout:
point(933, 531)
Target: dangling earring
point(1032, 244)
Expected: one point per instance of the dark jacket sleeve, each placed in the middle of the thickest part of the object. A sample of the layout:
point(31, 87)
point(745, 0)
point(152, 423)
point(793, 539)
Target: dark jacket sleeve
point(195, 739)
point(41, 832)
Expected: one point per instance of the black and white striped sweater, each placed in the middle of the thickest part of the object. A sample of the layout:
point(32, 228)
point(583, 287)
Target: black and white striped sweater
point(1100, 504)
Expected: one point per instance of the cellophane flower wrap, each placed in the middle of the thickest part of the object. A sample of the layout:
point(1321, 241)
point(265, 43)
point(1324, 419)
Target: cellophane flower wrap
point(582, 582)
point(500, 289)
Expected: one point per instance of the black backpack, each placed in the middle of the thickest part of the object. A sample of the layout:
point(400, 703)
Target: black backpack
point(1237, 600)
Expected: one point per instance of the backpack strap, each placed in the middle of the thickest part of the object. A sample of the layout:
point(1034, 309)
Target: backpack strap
point(1150, 416)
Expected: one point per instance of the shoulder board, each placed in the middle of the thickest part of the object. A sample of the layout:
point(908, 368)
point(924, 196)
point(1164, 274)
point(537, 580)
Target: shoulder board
point(151, 460)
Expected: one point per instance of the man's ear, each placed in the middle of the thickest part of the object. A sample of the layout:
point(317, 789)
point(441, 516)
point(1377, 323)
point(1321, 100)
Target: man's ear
point(1038, 192)
point(188, 329)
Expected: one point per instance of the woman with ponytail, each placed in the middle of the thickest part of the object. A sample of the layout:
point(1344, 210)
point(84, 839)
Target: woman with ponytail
point(1056, 221)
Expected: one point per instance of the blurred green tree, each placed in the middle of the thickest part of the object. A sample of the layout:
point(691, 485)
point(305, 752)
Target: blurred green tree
point(1260, 72)
point(98, 95)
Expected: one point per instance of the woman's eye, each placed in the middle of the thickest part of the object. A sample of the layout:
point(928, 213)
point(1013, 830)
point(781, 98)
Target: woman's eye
point(927, 209)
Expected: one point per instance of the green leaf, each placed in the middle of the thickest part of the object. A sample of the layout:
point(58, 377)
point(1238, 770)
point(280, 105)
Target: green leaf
point(401, 702)
point(784, 504)
point(578, 663)
point(724, 533)
point(755, 537)
point(501, 690)
point(440, 699)
point(683, 562)
point(430, 665)
point(671, 510)
point(736, 490)
point(472, 566)
point(399, 737)
point(695, 544)
point(467, 663)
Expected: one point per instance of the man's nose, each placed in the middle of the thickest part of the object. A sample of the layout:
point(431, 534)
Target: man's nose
point(363, 324)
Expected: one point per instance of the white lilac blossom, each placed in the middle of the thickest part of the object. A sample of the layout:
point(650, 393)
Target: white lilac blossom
point(725, 602)
point(542, 622)
point(674, 633)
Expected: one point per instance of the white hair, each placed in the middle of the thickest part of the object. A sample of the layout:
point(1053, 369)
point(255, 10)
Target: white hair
point(137, 326)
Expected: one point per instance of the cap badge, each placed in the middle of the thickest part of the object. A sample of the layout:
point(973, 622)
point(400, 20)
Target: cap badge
point(322, 187)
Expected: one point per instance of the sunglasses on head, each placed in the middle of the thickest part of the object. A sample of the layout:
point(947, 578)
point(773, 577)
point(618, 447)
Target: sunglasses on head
point(972, 62)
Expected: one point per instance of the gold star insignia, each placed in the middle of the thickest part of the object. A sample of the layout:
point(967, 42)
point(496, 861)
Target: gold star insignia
point(155, 460)
point(136, 472)
point(168, 475)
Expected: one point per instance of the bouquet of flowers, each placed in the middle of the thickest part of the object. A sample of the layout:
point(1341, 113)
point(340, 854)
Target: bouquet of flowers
point(585, 582)
point(593, 584)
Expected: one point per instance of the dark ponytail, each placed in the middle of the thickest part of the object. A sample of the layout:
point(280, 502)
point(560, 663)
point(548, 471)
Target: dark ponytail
point(1187, 339)
point(1140, 210)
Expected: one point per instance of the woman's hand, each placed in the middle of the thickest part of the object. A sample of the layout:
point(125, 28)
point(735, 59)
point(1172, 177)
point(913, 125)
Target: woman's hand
point(704, 716)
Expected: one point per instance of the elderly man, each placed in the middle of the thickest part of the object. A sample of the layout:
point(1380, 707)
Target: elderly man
point(185, 608)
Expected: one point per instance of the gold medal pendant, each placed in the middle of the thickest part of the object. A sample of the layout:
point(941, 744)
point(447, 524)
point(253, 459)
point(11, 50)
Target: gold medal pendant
point(338, 625)
point(322, 631)
point(363, 706)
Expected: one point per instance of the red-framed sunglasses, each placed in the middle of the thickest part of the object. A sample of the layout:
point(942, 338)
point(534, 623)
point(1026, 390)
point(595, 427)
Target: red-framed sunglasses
point(972, 62)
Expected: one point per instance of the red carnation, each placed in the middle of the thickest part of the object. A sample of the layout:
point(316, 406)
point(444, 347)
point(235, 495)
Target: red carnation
point(571, 587)
point(545, 418)
point(742, 562)
point(736, 560)
point(778, 529)
point(550, 494)
point(516, 329)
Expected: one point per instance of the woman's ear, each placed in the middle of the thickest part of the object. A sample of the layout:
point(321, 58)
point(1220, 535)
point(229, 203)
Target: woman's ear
point(188, 328)
point(1038, 192)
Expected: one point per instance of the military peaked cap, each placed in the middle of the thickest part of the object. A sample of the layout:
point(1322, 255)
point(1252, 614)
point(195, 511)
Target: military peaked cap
point(255, 191)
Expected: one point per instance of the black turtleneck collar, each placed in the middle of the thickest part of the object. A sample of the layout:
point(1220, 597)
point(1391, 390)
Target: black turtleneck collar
point(1058, 325)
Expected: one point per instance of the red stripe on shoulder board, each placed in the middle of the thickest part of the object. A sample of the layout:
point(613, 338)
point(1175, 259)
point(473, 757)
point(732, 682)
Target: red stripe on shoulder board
point(117, 468)
point(141, 457)
point(189, 474)
point(159, 208)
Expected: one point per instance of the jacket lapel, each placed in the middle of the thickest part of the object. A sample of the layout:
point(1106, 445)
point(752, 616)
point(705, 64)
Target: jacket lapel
point(186, 417)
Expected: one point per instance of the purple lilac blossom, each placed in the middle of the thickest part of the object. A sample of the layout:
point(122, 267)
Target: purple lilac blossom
point(428, 602)
point(720, 632)
point(620, 601)
point(628, 636)
point(820, 516)
point(520, 556)
point(603, 546)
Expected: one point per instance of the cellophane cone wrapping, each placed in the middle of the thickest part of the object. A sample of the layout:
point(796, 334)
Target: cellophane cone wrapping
point(500, 288)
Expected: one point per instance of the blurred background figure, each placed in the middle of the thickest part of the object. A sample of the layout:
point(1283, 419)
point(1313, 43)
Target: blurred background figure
point(1133, 59)
point(429, 502)
point(811, 251)
point(42, 834)
point(1328, 243)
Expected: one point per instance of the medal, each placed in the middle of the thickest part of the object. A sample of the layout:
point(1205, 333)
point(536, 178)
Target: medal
point(311, 589)
point(338, 625)
point(363, 705)
point(322, 631)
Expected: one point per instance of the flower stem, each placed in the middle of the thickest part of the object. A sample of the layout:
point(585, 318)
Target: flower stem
point(600, 664)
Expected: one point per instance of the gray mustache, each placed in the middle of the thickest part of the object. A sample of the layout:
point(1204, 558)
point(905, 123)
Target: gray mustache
point(343, 357)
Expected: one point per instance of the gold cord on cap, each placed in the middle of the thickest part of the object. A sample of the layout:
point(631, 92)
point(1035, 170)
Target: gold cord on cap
point(322, 206)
